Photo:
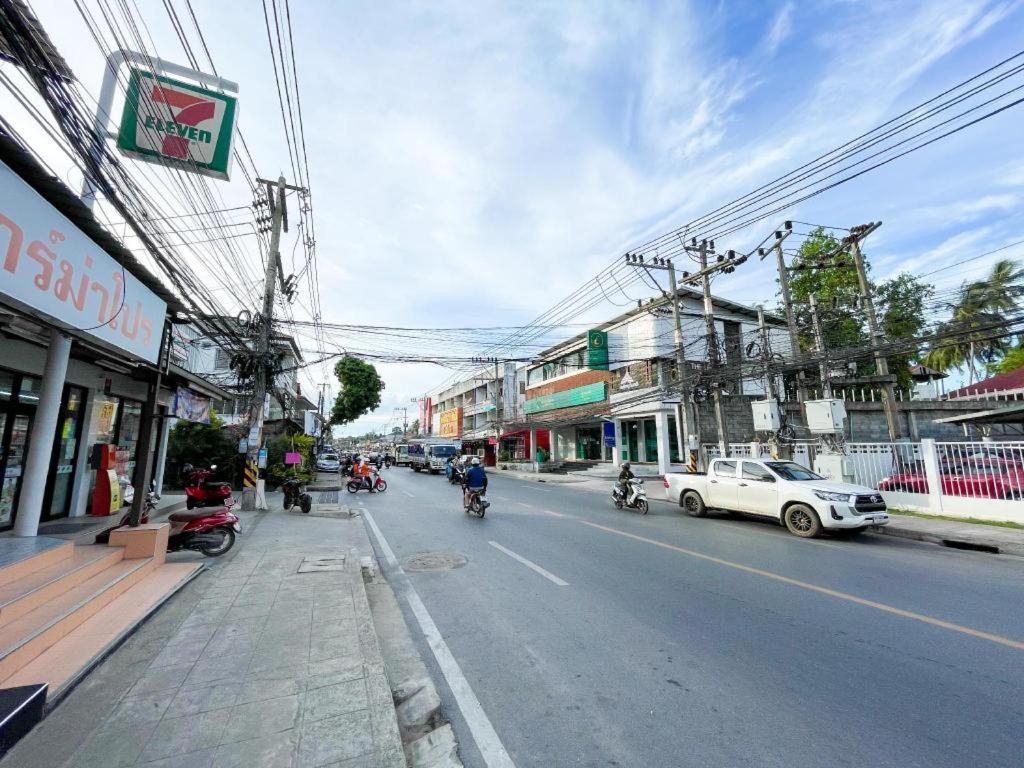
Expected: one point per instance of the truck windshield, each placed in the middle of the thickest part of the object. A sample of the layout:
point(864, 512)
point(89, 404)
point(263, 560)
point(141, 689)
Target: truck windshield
point(443, 451)
point(789, 470)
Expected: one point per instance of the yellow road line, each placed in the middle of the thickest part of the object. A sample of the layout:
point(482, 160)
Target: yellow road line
point(999, 639)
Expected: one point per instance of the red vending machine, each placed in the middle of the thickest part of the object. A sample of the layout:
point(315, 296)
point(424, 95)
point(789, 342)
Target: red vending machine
point(106, 497)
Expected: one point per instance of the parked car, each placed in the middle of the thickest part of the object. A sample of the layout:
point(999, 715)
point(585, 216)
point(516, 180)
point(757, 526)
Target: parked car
point(328, 462)
point(802, 500)
point(988, 478)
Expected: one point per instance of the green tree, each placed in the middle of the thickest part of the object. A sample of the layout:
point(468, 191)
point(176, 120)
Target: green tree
point(361, 386)
point(901, 304)
point(1013, 360)
point(191, 442)
point(967, 339)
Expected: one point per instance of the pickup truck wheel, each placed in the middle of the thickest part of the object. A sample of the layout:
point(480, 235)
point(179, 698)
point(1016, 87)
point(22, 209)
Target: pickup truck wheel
point(693, 504)
point(803, 521)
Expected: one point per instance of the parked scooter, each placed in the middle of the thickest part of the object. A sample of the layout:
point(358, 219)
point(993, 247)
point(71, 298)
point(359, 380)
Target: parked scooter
point(294, 495)
point(638, 494)
point(210, 531)
point(200, 491)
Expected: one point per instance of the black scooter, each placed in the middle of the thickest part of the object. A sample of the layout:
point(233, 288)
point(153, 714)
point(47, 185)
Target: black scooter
point(294, 495)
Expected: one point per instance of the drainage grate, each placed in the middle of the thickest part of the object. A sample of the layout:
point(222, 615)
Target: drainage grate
point(434, 561)
point(322, 564)
point(974, 547)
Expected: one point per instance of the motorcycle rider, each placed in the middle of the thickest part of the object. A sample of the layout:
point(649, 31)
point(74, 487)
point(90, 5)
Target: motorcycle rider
point(364, 473)
point(475, 480)
point(626, 487)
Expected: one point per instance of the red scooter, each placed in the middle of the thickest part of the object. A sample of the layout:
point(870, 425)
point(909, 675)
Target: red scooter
point(200, 491)
point(210, 531)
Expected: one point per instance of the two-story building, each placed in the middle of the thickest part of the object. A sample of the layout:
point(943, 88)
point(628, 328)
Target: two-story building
point(607, 394)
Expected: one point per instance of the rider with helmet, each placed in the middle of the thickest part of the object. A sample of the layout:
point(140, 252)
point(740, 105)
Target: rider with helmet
point(475, 480)
point(625, 475)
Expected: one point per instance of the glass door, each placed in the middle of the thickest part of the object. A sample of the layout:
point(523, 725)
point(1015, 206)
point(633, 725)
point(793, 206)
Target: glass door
point(65, 449)
point(651, 440)
point(632, 439)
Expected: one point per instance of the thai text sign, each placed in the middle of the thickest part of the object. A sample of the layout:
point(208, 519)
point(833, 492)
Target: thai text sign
point(590, 393)
point(51, 268)
point(168, 121)
point(451, 423)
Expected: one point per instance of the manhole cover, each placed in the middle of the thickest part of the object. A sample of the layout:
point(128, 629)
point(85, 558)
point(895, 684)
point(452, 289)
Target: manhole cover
point(434, 561)
point(321, 564)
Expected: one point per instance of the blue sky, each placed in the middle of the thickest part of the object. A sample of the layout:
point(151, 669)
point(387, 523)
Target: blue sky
point(474, 162)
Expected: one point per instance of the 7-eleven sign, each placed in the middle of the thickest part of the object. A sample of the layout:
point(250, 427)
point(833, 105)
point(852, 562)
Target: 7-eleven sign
point(168, 121)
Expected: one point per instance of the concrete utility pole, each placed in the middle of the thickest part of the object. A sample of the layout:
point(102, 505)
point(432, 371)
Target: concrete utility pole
point(253, 498)
point(819, 346)
point(881, 364)
point(712, 337)
point(787, 300)
point(766, 354)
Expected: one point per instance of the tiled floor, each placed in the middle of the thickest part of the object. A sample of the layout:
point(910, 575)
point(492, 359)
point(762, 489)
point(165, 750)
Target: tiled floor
point(267, 670)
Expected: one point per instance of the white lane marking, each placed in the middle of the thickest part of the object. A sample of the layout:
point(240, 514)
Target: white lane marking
point(534, 486)
point(524, 504)
point(529, 564)
point(409, 494)
point(501, 498)
point(486, 738)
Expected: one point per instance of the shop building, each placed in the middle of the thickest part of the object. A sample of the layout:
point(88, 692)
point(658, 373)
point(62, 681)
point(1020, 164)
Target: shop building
point(83, 361)
point(474, 409)
point(607, 395)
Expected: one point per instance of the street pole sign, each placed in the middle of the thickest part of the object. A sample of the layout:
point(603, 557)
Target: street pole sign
point(172, 122)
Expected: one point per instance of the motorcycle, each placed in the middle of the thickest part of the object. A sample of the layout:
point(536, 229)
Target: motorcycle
point(210, 531)
point(200, 491)
point(294, 495)
point(357, 484)
point(639, 494)
point(478, 503)
point(457, 475)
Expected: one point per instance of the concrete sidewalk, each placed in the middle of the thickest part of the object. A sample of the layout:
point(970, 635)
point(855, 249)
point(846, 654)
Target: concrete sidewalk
point(268, 659)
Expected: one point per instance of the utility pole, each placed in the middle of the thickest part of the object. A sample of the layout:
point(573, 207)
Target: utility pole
point(497, 411)
point(819, 346)
point(253, 497)
point(787, 300)
point(709, 322)
point(724, 264)
point(857, 234)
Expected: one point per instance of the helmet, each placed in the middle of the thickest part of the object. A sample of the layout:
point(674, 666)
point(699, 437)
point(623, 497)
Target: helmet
point(625, 465)
point(475, 462)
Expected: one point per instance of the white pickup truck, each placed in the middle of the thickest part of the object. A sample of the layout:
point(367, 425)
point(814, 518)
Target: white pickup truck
point(803, 501)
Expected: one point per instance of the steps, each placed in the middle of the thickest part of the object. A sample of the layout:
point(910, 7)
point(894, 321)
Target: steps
point(63, 608)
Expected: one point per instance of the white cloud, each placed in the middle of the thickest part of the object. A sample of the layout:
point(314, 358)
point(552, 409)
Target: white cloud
point(781, 28)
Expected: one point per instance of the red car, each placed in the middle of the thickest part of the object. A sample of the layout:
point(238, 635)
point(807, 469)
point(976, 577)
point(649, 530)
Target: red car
point(987, 478)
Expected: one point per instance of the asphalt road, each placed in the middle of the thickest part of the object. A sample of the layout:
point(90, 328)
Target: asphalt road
point(671, 641)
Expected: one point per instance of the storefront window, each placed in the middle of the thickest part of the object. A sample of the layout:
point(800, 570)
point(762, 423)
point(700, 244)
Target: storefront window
point(13, 460)
point(6, 386)
point(29, 393)
point(673, 442)
point(651, 440)
point(127, 441)
point(102, 429)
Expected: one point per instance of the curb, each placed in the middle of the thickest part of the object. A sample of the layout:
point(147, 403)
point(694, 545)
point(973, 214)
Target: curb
point(976, 544)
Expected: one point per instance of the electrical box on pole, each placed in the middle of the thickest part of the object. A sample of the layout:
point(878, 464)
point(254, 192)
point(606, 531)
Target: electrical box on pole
point(825, 416)
point(767, 415)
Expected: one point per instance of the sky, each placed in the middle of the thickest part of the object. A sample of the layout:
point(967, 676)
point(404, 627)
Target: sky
point(472, 163)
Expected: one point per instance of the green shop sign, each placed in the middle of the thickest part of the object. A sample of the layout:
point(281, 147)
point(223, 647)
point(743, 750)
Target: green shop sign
point(589, 393)
point(170, 122)
point(597, 350)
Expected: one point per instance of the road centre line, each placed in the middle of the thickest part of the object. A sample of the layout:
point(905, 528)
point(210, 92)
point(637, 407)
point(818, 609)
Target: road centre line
point(409, 494)
point(998, 639)
point(524, 504)
point(530, 564)
point(486, 738)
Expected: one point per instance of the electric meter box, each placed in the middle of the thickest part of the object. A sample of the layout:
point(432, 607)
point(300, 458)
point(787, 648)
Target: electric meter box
point(824, 416)
point(767, 417)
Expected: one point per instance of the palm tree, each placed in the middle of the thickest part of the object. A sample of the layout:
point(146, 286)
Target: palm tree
point(979, 309)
